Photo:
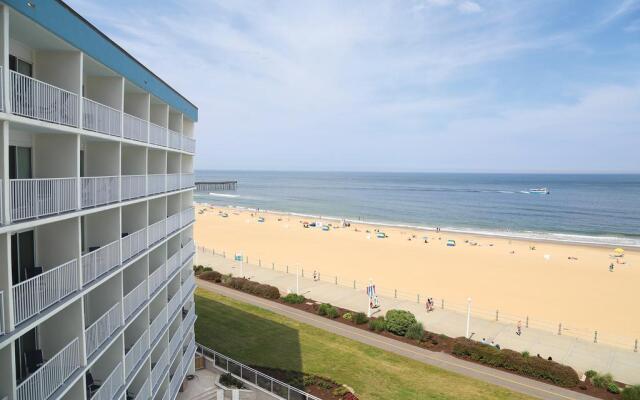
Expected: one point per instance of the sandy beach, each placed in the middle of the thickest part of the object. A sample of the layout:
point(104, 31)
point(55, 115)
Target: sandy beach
point(550, 282)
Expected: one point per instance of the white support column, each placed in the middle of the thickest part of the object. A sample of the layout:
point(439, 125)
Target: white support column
point(4, 48)
point(78, 174)
point(6, 184)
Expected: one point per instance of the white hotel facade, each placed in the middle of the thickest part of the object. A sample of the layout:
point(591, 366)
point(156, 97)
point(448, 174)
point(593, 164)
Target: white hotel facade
point(96, 236)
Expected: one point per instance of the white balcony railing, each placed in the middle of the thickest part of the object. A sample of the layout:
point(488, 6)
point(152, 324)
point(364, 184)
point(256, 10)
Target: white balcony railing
point(173, 263)
point(176, 380)
point(187, 216)
point(174, 304)
point(52, 375)
point(134, 355)
point(157, 278)
point(100, 118)
point(98, 332)
point(100, 261)
point(34, 295)
point(134, 244)
point(1, 303)
point(145, 391)
point(191, 349)
point(187, 251)
point(33, 198)
point(173, 182)
point(188, 144)
point(157, 324)
point(134, 128)
point(157, 184)
point(188, 320)
point(157, 231)
point(187, 181)
point(173, 223)
point(2, 107)
point(99, 190)
point(39, 100)
point(133, 186)
point(176, 341)
point(174, 140)
point(134, 299)
point(187, 286)
point(157, 134)
point(110, 386)
point(157, 370)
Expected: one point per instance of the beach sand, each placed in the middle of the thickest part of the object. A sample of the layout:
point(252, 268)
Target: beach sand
point(497, 273)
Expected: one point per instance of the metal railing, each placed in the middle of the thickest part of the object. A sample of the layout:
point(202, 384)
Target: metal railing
point(34, 295)
point(157, 278)
point(2, 303)
point(174, 140)
point(101, 118)
point(157, 231)
point(173, 223)
point(157, 134)
point(98, 332)
point(135, 353)
point(133, 186)
point(110, 386)
point(187, 181)
point(99, 190)
point(2, 108)
point(34, 198)
point(176, 380)
point(187, 216)
point(255, 377)
point(134, 128)
point(157, 324)
point(157, 371)
point(174, 304)
point(39, 100)
point(189, 319)
point(188, 285)
point(188, 144)
point(173, 182)
point(145, 391)
point(156, 183)
point(52, 375)
point(173, 263)
point(100, 261)
point(134, 299)
point(176, 340)
point(134, 244)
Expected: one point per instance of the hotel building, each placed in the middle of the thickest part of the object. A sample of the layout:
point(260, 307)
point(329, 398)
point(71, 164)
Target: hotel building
point(96, 233)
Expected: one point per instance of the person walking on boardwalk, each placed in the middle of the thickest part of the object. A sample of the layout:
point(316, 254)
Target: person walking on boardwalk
point(519, 328)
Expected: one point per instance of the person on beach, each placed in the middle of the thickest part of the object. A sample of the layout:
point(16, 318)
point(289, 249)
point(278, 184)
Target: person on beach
point(611, 266)
point(314, 275)
point(519, 328)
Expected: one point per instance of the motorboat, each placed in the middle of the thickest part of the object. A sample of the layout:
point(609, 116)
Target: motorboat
point(543, 190)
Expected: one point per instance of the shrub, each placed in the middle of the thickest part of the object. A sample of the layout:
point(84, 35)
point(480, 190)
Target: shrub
point(322, 309)
point(509, 360)
point(602, 381)
point(360, 318)
point(398, 321)
point(213, 276)
point(590, 374)
point(230, 381)
point(347, 316)
point(333, 312)
point(377, 324)
point(207, 269)
point(197, 269)
point(415, 331)
point(293, 298)
point(268, 292)
point(613, 388)
point(525, 354)
point(631, 393)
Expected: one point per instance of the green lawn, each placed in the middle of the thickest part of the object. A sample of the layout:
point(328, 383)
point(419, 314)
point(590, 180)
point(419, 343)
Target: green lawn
point(256, 336)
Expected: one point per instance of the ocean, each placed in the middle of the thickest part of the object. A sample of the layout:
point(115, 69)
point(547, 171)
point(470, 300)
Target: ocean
point(599, 209)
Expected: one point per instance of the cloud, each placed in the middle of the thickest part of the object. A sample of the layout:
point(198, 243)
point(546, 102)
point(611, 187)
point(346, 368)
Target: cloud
point(469, 7)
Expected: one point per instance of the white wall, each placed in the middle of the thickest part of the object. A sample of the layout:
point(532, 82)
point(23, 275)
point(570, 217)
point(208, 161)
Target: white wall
point(101, 158)
point(173, 163)
point(175, 121)
point(60, 68)
point(187, 164)
point(101, 228)
point(108, 361)
point(188, 127)
point(157, 257)
point(57, 243)
point(108, 90)
point(67, 325)
point(137, 104)
point(55, 156)
point(160, 114)
point(134, 274)
point(134, 217)
point(157, 210)
point(136, 329)
point(157, 161)
point(134, 160)
point(101, 299)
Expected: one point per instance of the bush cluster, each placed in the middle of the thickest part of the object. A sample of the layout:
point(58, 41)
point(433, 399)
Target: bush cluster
point(213, 276)
point(534, 367)
point(603, 381)
point(328, 310)
point(198, 269)
point(231, 381)
point(415, 331)
point(631, 393)
point(377, 324)
point(398, 321)
point(259, 289)
point(293, 298)
point(360, 318)
point(347, 316)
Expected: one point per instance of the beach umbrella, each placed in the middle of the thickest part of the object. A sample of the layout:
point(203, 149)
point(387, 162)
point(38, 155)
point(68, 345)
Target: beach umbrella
point(619, 251)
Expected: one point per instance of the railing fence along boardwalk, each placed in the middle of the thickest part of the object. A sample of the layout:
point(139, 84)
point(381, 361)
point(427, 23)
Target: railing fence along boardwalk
point(98, 332)
point(36, 294)
point(101, 118)
point(134, 128)
point(133, 356)
point(100, 261)
point(39, 100)
point(33, 198)
point(99, 190)
point(110, 386)
point(257, 378)
point(52, 375)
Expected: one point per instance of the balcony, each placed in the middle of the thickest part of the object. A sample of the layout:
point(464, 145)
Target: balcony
point(99, 190)
point(134, 244)
point(35, 99)
point(176, 380)
point(175, 342)
point(188, 320)
point(35, 295)
point(187, 286)
point(35, 198)
point(174, 140)
point(187, 251)
point(134, 128)
point(157, 278)
point(134, 299)
point(187, 181)
point(134, 355)
point(110, 386)
point(187, 216)
point(157, 184)
point(100, 261)
point(173, 263)
point(157, 134)
point(1, 310)
point(157, 231)
point(158, 323)
point(173, 182)
point(133, 186)
point(174, 304)
point(102, 329)
point(100, 118)
point(52, 375)
point(157, 371)
point(144, 392)
point(188, 144)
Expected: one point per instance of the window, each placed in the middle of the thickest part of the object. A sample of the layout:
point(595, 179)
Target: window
point(20, 66)
point(19, 162)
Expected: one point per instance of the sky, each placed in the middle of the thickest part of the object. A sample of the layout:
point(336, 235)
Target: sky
point(412, 85)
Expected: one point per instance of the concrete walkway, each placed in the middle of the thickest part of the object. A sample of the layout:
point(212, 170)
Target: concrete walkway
point(441, 360)
point(580, 354)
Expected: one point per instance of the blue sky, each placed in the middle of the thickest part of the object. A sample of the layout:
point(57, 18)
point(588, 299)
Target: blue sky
point(424, 85)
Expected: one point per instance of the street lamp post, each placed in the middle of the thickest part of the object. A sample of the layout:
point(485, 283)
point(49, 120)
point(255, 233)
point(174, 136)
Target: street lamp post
point(468, 316)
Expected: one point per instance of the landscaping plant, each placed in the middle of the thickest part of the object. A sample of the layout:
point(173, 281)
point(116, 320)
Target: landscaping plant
point(398, 321)
point(360, 318)
point(293, 298)
point(377, 324)
point(415, 331)
point(631, 393)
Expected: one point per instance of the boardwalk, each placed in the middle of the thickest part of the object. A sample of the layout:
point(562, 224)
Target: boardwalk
point(582, 355)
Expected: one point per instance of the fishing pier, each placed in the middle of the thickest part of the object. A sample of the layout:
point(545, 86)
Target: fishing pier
point(214, 186)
